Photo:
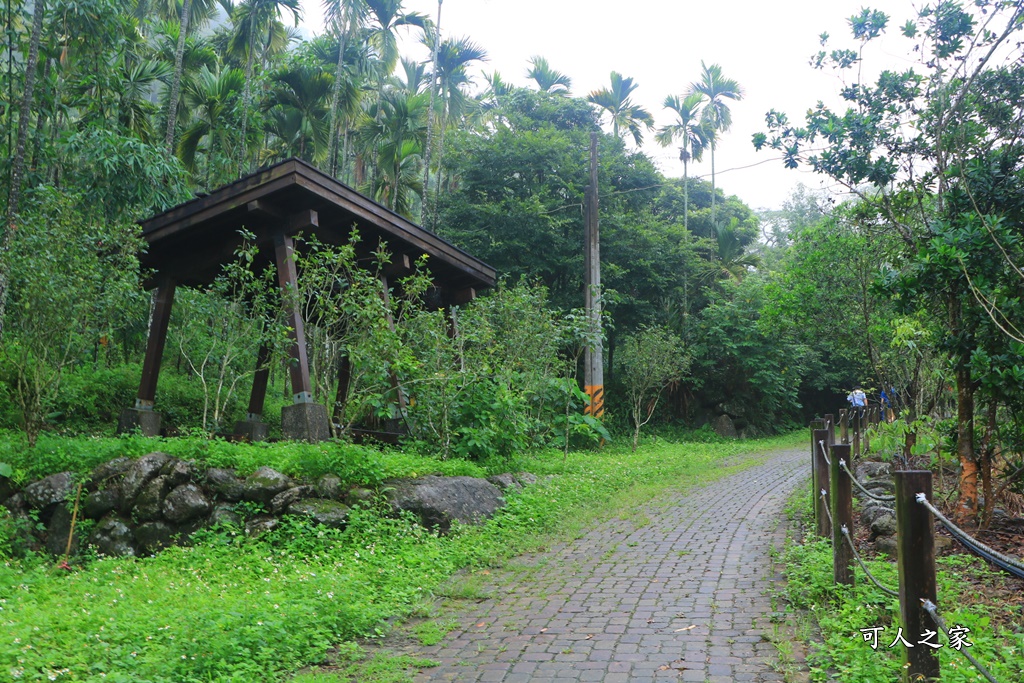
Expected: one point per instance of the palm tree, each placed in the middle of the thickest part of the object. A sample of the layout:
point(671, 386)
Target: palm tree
point(345, 17)
point(715, 89)
point(136, 111)
point(497, 88)
point(298, 103)
point(210, 96)
point(453, 58)
point(624, 114)
point(257, 27)
point(548, 79)
point(436, 40)
point(385, 18)
point(394, 130)
point(733, 261)
point(205, 10)
point(691, 132)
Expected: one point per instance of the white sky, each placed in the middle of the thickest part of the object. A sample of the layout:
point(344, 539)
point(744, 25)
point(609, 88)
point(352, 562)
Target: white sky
point(660, 44)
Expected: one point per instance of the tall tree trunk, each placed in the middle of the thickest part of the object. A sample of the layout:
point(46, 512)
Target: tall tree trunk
point(987, 448)
point(247, 97)
point(967, 505)
point(686, 190)
point(430, 117)
point(18, 163)
point(714, 224)
point(339, 75)
point(179, 58)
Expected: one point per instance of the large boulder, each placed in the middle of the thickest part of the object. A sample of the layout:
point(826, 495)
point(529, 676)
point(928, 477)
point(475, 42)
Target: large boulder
point(724, 426)
point(152, 537)
point(58, 530)
point(149, 502)
point(186, 503)
point(136, 477)
point(330, 486)
point(112, 536)
point(262, 485)
point(112, 469)
point(225, 515)
point(884, 525)
point(225, 484)
point(869, 469)
point(178, 472)
point(439, 501)
point(99, 503)
point(281, 501)
point(55, 488)
point(330, 513)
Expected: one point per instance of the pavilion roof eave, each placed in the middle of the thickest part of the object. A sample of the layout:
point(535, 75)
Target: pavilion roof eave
point(293, 186)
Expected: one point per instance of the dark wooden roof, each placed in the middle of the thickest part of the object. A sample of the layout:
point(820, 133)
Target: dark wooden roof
point(192, 241)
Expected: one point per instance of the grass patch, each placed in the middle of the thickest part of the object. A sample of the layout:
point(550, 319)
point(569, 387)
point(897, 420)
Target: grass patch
point(233, 608)
point(355, 464)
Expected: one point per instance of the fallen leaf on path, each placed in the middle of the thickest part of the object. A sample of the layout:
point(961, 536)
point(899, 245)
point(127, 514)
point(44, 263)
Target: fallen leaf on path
point(687, 628)
point(481, 624)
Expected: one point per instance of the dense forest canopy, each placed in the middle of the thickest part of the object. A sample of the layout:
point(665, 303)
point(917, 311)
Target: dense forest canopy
point(111, 111)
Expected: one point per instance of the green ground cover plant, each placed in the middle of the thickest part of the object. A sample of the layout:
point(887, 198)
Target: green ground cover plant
point(354, 463)
point(965, 587)
point(233, 608)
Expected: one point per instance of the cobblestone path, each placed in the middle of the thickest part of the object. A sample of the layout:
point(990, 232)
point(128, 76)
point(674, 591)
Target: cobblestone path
point(684, 597)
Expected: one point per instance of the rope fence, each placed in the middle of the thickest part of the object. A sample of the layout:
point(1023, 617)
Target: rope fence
point(1007, 564)
point(872, 496)
point(932, 611)
point(915, 518)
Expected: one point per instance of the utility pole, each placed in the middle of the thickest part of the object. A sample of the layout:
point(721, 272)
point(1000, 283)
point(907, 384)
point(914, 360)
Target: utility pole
point(593, 373)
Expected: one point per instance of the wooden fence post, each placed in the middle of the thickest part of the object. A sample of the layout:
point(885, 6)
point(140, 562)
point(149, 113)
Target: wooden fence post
point(844, 426)
point(830, 425)
point(915, 546)
point(867, 430)
point(858, 422)
point(821, 481)
point(841, 497)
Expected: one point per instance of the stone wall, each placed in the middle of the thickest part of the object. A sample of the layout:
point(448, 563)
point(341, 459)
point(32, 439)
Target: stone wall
point(140, 506)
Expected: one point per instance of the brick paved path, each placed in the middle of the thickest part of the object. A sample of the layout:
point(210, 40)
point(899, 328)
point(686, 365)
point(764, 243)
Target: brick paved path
point(684, 597)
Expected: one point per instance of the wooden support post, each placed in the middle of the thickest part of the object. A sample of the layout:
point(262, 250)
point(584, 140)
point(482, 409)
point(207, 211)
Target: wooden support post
point(141, 416)
point(915, 546)
point(830, 425)
point(305, 419)
point(821, 483)
point(163, 300)
point(259, 384)
point(841, 498)
point(287, 280)
point(252, 428)
point(817, 423)
point(396, 386)
point(344, 379)
point(844, 426)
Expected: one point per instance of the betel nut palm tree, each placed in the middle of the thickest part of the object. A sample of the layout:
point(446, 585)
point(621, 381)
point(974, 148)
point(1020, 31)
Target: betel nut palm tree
point(548, 80)
point(716, 90)
point(689, 130)
point(625, 116)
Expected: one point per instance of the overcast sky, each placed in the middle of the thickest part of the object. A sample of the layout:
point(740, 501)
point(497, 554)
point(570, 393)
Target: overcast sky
point(660, 44)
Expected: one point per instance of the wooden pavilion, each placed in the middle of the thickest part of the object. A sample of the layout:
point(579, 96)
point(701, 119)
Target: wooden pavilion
point(189, 245)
